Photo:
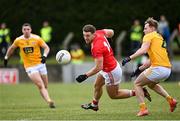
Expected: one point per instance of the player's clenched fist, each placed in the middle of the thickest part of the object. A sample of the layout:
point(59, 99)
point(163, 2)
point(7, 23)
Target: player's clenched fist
point(81, 78)
point(43, 59)
point(5, 62)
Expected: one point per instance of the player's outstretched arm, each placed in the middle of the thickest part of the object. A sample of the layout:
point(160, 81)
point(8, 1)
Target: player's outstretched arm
point(98, 67)
point(141, 51)
point(94, 70)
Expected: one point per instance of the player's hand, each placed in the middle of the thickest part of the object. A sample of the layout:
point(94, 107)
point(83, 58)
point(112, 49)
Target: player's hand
point(136, 72)
point(81, 78)
point(126, 60)
point(5, 62)
point(43, 59)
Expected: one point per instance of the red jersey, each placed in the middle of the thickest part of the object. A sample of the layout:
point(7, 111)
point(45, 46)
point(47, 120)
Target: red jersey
point(100, 47)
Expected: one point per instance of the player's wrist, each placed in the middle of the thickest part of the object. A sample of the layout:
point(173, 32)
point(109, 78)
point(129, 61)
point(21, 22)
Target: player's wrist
point(86, 75)
point(6, 57)
point(45, 55)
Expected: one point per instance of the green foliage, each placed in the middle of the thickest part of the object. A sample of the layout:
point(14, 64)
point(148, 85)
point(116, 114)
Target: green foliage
point(70, 15)
point(23, 102)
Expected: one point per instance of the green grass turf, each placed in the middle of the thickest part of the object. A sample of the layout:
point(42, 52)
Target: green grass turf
point(23, 102)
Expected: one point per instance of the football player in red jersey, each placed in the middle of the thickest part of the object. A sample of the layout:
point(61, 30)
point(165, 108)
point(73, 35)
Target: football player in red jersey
point(106, 65)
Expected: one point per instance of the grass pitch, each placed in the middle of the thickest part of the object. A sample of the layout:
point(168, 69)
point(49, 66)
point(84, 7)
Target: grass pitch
point(23, 102)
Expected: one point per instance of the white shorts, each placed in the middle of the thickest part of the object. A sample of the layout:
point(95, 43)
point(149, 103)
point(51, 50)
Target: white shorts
point(157, 74)
point(113, 77)
point(41, 68)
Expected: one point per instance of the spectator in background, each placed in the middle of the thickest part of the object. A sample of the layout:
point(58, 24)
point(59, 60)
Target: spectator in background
point(175, 36)
point(163, 29)
point(77, 54)
point(178, 40)
point(46, 32)
point(136, 35)
point(4, 39)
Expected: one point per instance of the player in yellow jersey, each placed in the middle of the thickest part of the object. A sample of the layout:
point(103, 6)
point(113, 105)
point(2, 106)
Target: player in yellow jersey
point(155, 70)
point(34, 63)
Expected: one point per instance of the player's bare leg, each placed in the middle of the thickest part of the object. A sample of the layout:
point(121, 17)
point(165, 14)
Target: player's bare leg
point(115, 93)
point(161, 91)
point(36, 78)
point(138, 86)
point(45, 81)
point(99, 82)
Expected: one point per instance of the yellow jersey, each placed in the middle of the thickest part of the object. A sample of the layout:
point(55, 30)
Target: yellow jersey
point(30, 49)
point(157, 51)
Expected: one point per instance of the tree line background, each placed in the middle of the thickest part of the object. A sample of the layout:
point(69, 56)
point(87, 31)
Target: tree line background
point(71, 15)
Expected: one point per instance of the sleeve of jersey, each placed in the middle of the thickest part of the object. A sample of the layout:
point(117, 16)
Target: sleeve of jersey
point(147, 37)
point(97, 52)
point(101, 31)
point(41, 41)
point(16, 42)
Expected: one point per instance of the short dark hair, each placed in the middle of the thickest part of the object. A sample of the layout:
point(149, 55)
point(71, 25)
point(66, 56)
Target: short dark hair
point(26, 24)
point(89, 28)
point(152, 22)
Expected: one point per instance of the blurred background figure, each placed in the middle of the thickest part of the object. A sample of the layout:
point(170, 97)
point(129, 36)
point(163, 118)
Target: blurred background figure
point(46, 32)
point(4, 39)
point(136, 35)
point(175, 40)
point(178, 39)
point(77, 54)
point(163, 29)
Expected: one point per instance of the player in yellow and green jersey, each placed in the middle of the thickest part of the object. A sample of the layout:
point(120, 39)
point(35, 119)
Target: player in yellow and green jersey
point(155, 70)
point(34, 62)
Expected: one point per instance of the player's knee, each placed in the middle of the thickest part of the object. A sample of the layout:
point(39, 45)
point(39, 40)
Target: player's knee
point(112, 95)
point(151, 86)
point(136, 83)
point(40, 86)
point(46, 86)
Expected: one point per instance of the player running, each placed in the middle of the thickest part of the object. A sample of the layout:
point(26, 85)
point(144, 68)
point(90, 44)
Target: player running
point(155, 70)
point(107, 67)
point(34, 64)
